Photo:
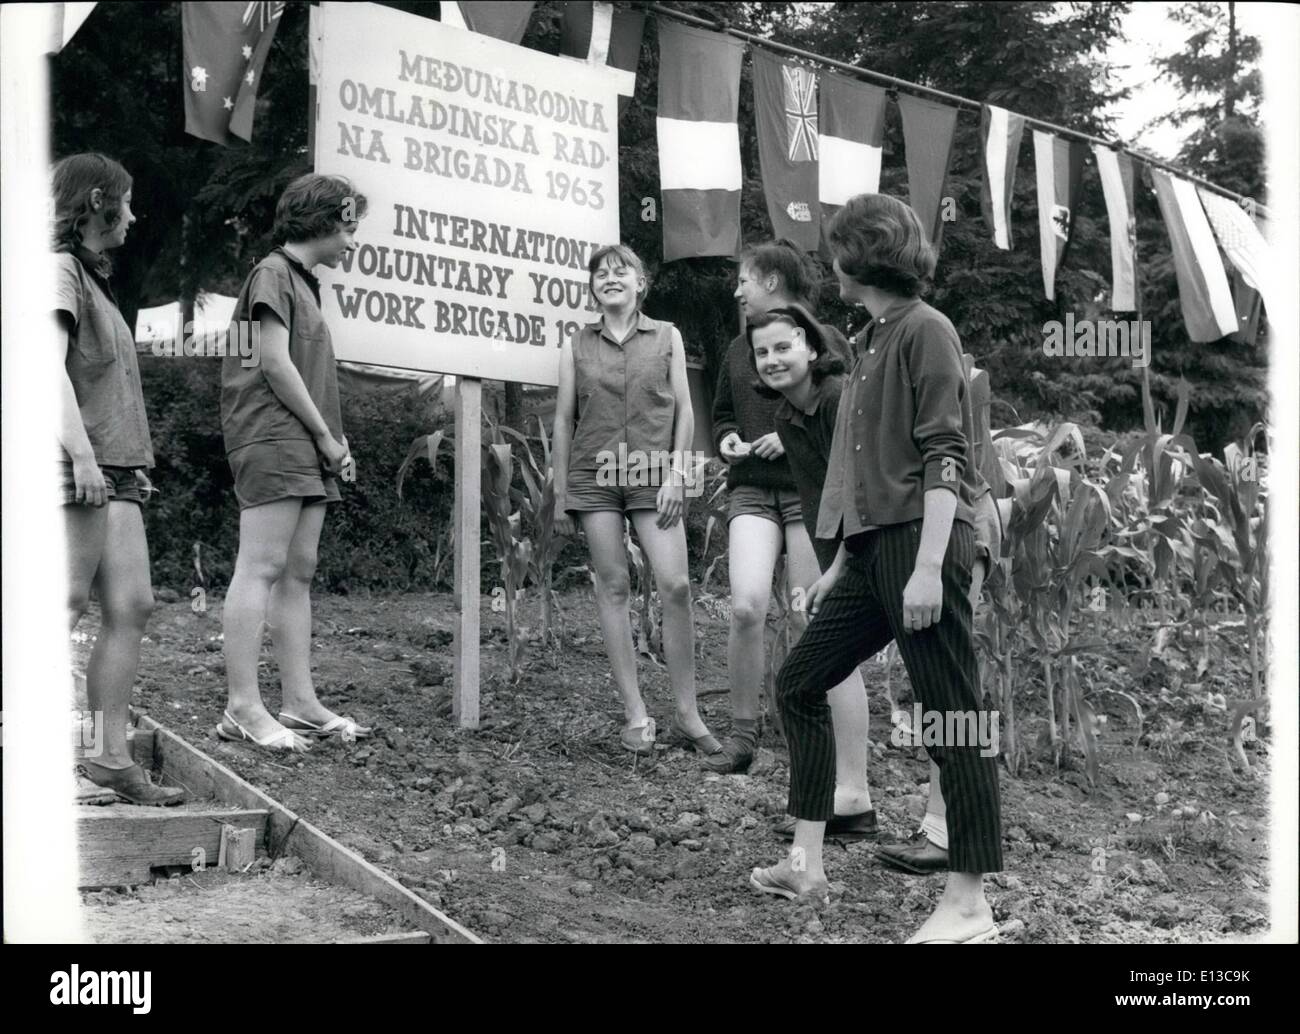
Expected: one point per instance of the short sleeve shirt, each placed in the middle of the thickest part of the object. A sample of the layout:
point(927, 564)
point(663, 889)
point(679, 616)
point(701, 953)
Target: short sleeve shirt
point(250, 409)
point(101, 363)
point(624, 390)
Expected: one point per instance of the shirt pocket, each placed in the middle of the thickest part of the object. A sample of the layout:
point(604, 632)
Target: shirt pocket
point(96, 337)
point(648, 375)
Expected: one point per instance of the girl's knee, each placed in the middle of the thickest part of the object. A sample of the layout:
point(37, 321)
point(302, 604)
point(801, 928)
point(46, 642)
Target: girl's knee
point(675, 590)
point(748, 612)
point(614, 586)
point(129, 610)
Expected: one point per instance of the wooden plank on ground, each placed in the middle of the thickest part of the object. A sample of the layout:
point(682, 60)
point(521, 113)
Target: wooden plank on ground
point(418, 937)
point(119, 843)
point(466, 509)
point(185, 765)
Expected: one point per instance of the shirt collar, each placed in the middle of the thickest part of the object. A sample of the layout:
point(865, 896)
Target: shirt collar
point(642, 323)
point(895, 310)
point(97, 265)
point(793, 414)
point(298, 265)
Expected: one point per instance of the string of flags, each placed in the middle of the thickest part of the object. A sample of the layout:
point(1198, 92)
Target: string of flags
point(820, 139)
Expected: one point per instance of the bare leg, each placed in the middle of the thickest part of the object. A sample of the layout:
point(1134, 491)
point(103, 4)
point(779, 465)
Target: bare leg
point(848, 700)
point(754, 543)
point(604, 533)
point(126, 601)
point(666, 550)
point(289, 617)
point(265, 535)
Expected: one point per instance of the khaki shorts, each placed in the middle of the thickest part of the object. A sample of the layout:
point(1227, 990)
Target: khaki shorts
point(779, 505)
point(120, 483)
point(585, 495)
point(267, 472)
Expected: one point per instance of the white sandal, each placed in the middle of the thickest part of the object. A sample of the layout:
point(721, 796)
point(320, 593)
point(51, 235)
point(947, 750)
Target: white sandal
point(285, 739)
point(342, 725)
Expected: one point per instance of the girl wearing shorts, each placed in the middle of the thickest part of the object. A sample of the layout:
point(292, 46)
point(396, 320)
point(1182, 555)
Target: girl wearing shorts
point(284, 440)
point(623, 425)
point(104, 435)
point(765, 516)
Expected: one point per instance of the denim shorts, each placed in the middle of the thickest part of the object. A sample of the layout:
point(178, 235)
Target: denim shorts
point(120, 482)
point(586, 495)
point(267, 472)
point(781, 506)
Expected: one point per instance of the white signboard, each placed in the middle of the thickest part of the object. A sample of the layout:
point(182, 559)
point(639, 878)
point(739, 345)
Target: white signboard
point(491, 174)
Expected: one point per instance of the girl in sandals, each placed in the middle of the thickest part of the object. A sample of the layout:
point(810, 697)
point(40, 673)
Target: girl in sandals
point(900, 488)
point(106, 449)
point(623, 425)
point(285, 444)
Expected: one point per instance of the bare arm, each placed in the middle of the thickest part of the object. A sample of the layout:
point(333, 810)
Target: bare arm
point(670, 500)
point(86, 475)
point(566, 404)
point(923, 594)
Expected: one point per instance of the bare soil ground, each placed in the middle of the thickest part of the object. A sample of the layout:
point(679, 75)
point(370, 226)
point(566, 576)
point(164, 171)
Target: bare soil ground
point(538, 828)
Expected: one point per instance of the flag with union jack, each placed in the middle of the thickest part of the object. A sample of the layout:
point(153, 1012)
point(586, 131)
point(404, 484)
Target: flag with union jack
point(785, 105)
point(225, 46)
point(801, 112)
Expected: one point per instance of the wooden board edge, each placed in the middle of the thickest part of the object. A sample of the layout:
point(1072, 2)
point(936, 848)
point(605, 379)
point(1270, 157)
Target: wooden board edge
point(418, 937)
point(287, 832)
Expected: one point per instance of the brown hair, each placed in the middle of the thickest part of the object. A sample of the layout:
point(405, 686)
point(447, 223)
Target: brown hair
point(799, 276)
point(624, 256)
point(827, 363)
point(880, 242)
point(73, 179)
point(316, 205)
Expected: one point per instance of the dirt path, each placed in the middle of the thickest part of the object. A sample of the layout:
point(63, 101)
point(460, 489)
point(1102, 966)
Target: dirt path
point(539, 828)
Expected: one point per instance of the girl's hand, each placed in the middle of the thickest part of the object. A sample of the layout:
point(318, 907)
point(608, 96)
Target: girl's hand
point(818, 590)
point(563, 523)
point(333, 453)
point(670, 504)
point(145, 485)
point(733, 449)
point(769, 447)
point(922, 599)
point(89, 482)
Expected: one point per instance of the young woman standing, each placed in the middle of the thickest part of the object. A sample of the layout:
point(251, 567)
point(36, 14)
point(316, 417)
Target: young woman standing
point(623, 411)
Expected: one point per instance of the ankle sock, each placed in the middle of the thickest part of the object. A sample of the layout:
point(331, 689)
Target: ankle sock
point(935, 828)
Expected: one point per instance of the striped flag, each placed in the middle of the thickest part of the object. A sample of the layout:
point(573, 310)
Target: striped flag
point(225, 46)
point(602, 34)
point(1203, 290)
point(852, 139)
point(1058, 164)
point(785, 107)
point(1244, 245)
point(699, 141)
point(927, 137)
point(501, 19)
point(1246, 300)
point(1000, 132)
point(1117, 184)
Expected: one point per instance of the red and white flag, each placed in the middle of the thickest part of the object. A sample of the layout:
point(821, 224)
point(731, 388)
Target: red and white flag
point(601, 34)
point(852, 140)
point(1244, 245)
point(225, 46)
point(1117, 184)
point(928, 130)
point(699, 141)
point(1058, 164)
point(1203, 291)
point(501, 19)
point(1000, 132)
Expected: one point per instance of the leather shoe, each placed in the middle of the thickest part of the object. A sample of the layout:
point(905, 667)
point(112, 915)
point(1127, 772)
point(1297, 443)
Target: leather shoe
point(131, 784)
point(861, 826)
point(917, 856)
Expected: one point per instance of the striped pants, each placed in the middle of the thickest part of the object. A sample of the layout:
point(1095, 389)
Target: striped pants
point(858, 618)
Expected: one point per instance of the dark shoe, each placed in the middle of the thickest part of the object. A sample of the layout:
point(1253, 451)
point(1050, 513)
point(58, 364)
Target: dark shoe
point(736, 755)
point(916, 856)
point(861, 826)
point(706, 745)
point(639, 739)
point(131, 784)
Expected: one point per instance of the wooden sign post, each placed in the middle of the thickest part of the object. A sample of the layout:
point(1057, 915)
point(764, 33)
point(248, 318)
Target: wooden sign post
point(468, 473)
